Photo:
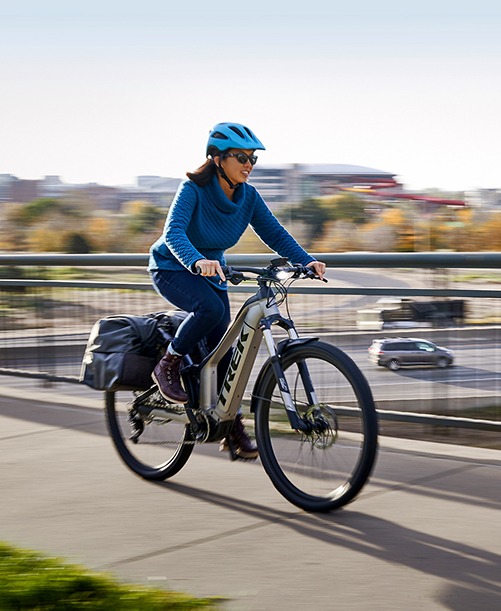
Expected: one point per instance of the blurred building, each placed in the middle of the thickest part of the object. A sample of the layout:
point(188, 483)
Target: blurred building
point(5, 187)
point(154, 189)
point(292, 183)
point(489, 199)
point(14, 189)
point(278, 184)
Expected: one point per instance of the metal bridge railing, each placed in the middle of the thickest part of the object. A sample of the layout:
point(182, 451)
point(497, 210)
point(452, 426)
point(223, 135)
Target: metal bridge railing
point(48, 303)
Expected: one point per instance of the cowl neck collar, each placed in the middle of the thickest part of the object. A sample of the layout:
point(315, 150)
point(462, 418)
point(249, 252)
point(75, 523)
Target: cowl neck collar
point(220, 199)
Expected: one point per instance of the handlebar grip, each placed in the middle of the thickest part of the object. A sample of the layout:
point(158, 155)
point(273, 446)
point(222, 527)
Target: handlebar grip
point(310, 273)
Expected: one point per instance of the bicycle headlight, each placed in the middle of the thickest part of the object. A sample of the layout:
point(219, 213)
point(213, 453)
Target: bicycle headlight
point(284, 274)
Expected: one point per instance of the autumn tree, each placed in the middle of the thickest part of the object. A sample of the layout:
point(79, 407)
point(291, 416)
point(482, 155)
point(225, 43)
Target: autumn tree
point(379, 237)
point(313, 214)
point(339, 236)
point(143, 217)
point(347, 207)
point(76, 243)
point(33, 212)
point(317, 212)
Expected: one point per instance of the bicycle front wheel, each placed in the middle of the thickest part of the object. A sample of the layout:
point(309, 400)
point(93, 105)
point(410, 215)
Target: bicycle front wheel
point(153, 443)
point(326, 468)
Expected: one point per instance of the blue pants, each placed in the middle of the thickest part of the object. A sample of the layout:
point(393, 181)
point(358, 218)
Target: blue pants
point(209, 307)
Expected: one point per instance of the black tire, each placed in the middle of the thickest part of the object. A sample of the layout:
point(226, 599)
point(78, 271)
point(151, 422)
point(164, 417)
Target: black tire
point(162, 448)
point(443, 362)
point(317, 472)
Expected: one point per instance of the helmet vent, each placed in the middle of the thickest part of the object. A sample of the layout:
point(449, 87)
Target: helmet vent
point(219, 136)
point(237, 131)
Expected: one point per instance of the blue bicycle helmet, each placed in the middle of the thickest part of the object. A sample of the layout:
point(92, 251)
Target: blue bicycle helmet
point(224, 136)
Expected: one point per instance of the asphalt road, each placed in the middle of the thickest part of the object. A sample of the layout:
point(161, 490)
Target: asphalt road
point(476, 372)
point(424, 533)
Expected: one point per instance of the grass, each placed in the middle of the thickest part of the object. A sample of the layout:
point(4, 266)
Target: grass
point(29, 580)
point(484, 276)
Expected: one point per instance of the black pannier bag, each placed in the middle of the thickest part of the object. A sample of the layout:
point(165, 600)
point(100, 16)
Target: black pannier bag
point(123, 350)
point(121, 353)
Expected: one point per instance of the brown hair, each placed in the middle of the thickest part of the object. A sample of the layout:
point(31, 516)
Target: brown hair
point(203, 175)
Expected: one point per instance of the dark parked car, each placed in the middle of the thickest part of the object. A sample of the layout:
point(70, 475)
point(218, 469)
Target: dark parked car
point(404, 351)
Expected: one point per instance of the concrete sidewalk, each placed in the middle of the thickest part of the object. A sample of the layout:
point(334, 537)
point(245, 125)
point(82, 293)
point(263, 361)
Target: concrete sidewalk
point(424, 534)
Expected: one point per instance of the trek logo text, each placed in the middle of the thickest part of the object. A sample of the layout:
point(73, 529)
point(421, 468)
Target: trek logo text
point(232, 369)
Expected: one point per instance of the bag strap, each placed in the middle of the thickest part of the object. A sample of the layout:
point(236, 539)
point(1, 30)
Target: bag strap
point(139, 330)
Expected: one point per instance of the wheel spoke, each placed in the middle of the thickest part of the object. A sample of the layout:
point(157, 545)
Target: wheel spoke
point(325, 468)
point(149, 441)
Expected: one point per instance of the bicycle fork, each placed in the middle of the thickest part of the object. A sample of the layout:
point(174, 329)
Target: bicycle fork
point(297, 422)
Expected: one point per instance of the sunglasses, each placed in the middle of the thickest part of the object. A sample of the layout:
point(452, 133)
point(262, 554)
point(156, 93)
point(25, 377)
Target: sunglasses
point(243, 158)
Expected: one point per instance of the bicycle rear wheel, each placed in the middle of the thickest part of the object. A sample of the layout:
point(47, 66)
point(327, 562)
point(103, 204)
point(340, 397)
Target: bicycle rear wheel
point(150, 441)
point(323, 470)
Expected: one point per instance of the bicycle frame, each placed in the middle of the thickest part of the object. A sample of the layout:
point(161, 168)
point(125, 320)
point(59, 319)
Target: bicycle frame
point(252, 323)
point(306, 464)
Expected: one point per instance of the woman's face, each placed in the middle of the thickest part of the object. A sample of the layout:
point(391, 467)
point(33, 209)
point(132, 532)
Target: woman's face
point(237, 171)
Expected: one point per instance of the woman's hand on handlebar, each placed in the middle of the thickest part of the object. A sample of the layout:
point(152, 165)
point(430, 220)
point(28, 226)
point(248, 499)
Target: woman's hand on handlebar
point(206, 267)
point(318, 267)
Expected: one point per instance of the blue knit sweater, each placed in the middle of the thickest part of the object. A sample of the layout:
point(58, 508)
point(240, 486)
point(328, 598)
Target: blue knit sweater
point(202, 223)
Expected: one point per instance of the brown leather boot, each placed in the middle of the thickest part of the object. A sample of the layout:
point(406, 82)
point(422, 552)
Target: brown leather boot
point(238, 442)
point(166, 377)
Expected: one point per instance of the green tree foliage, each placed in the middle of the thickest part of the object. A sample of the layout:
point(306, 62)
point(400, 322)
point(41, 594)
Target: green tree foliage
point(143, 217)
point(347, 207)
point(32, 212)
point(42, 225)
point(312, 214)
point(76, 243)
point(319, 212)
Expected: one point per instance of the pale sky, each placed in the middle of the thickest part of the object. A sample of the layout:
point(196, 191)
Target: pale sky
point(106, 91)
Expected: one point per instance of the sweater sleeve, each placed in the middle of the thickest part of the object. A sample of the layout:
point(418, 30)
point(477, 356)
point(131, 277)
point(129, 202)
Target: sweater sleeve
point(176, 226)
point(269, 229)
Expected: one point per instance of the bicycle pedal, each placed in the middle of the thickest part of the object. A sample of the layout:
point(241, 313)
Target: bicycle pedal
point(137, 428)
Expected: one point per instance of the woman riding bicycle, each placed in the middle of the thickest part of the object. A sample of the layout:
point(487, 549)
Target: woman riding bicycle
point(209, 214)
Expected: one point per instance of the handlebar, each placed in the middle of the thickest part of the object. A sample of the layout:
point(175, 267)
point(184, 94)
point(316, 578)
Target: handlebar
point(279, 269)
point(236, 274)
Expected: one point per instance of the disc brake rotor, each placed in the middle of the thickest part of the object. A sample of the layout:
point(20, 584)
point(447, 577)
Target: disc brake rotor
point(325, 426)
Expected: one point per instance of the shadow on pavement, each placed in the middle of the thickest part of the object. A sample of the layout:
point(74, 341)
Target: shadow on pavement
point(471, 574)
